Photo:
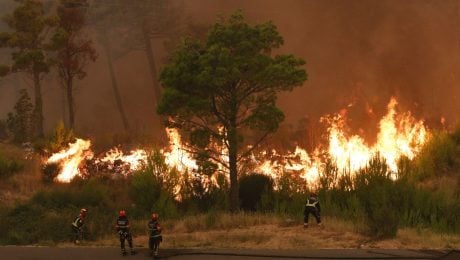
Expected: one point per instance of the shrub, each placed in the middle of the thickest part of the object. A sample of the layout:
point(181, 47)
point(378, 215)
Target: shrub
point(48, 214)
point(254, 188)
point(3, 130)
point(437, 156)
point(144, 191)
point(378, 195)
point(200, 196)
point(50, 171)
point(61, 138)
point(9, 166)
point(20, 122)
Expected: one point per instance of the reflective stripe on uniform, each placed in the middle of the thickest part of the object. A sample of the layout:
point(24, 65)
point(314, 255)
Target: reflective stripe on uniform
point(75, 223)
point(308, 204)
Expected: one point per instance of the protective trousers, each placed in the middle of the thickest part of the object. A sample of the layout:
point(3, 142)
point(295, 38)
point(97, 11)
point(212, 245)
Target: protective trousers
point(124, 235)
point(311, 210)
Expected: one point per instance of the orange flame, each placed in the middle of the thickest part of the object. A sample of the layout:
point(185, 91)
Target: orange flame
point(70, 159)
point(134, 161)
point(399, 135)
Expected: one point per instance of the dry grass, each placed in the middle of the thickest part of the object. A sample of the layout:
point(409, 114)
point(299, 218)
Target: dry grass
point(22, 185)
point(259, 231)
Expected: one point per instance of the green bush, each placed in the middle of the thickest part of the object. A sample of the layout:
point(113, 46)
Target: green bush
point(198, 196)
point(437, 156)
point(50, 171)
point(9, 166)
point(3, 130)
point(49, 214)
point(20, 121)
point(144, 191)
point(379, 196)
point(256, 191)
point(61, 138)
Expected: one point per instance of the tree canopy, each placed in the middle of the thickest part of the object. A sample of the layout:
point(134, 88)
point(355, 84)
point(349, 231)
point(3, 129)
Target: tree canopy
point(28, 39)
point(223, 88)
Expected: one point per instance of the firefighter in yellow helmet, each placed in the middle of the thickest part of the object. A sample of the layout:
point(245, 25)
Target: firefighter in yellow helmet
point(313, 207)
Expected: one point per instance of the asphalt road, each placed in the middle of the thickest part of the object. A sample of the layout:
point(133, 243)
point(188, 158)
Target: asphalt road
point(106, 253)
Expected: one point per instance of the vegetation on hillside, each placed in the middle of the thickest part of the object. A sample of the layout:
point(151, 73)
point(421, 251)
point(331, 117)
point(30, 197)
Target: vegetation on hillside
point(371, 197)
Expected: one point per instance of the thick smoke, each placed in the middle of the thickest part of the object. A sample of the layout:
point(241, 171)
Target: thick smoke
point(363, 52)
point(358, 53)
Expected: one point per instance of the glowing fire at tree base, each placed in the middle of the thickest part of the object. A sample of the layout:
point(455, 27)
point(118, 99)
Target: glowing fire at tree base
point(398, 136)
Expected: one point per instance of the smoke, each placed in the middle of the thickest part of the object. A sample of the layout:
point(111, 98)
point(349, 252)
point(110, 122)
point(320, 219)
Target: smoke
point(359, 53)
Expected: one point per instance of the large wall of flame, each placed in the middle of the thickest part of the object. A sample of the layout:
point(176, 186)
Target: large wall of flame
point(358, 52)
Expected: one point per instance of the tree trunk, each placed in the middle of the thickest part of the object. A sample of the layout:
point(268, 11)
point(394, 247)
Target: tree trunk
point(151, 59)
point(153, 73)
point(38, 107)
point(70, 102)
point(116, 91)
point(232, 157)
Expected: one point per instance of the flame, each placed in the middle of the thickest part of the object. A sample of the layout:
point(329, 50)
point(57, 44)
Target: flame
point(71, 158)
point(178, 157)
point(132, 162)
point(399, 135)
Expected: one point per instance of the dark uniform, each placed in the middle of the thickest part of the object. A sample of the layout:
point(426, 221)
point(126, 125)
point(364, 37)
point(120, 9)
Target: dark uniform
point(312, 207)
point(125, 234)
point(77, 226)
point(155, 236)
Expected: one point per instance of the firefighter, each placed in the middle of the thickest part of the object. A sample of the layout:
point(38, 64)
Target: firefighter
point(155, 236)
point(312, 207)
point(123, 229)
point(77, 226)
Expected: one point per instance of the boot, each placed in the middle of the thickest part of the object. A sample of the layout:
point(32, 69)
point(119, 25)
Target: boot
point(305, 225)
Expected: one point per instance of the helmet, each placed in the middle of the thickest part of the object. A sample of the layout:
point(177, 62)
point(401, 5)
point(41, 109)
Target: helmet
point(83, 211)
point(154, 216)
point(122, 213)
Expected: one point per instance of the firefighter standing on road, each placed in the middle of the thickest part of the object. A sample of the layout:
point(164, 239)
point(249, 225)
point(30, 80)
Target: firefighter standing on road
point(124, 232)
point(312, 207)
point(155, 237)
point(77, 226)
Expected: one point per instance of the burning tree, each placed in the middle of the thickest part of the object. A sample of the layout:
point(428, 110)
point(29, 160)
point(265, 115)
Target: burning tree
point(225, 88)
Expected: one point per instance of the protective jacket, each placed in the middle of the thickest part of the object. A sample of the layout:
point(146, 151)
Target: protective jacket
point(122, 223)
point(312, 207)
point(312, 202)
point(78, 222)
point(154, 229)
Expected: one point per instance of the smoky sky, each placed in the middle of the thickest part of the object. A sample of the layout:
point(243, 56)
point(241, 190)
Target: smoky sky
point(358, 53)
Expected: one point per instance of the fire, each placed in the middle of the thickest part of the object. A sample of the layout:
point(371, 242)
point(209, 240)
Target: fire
point(70, 159)
point(399, 135)
point(178, 157)
point(129, 163)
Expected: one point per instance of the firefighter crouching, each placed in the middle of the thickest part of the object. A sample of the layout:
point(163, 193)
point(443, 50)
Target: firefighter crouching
point(155, 236)
point(312, 207)
point(77, 226)
point(123, 229)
